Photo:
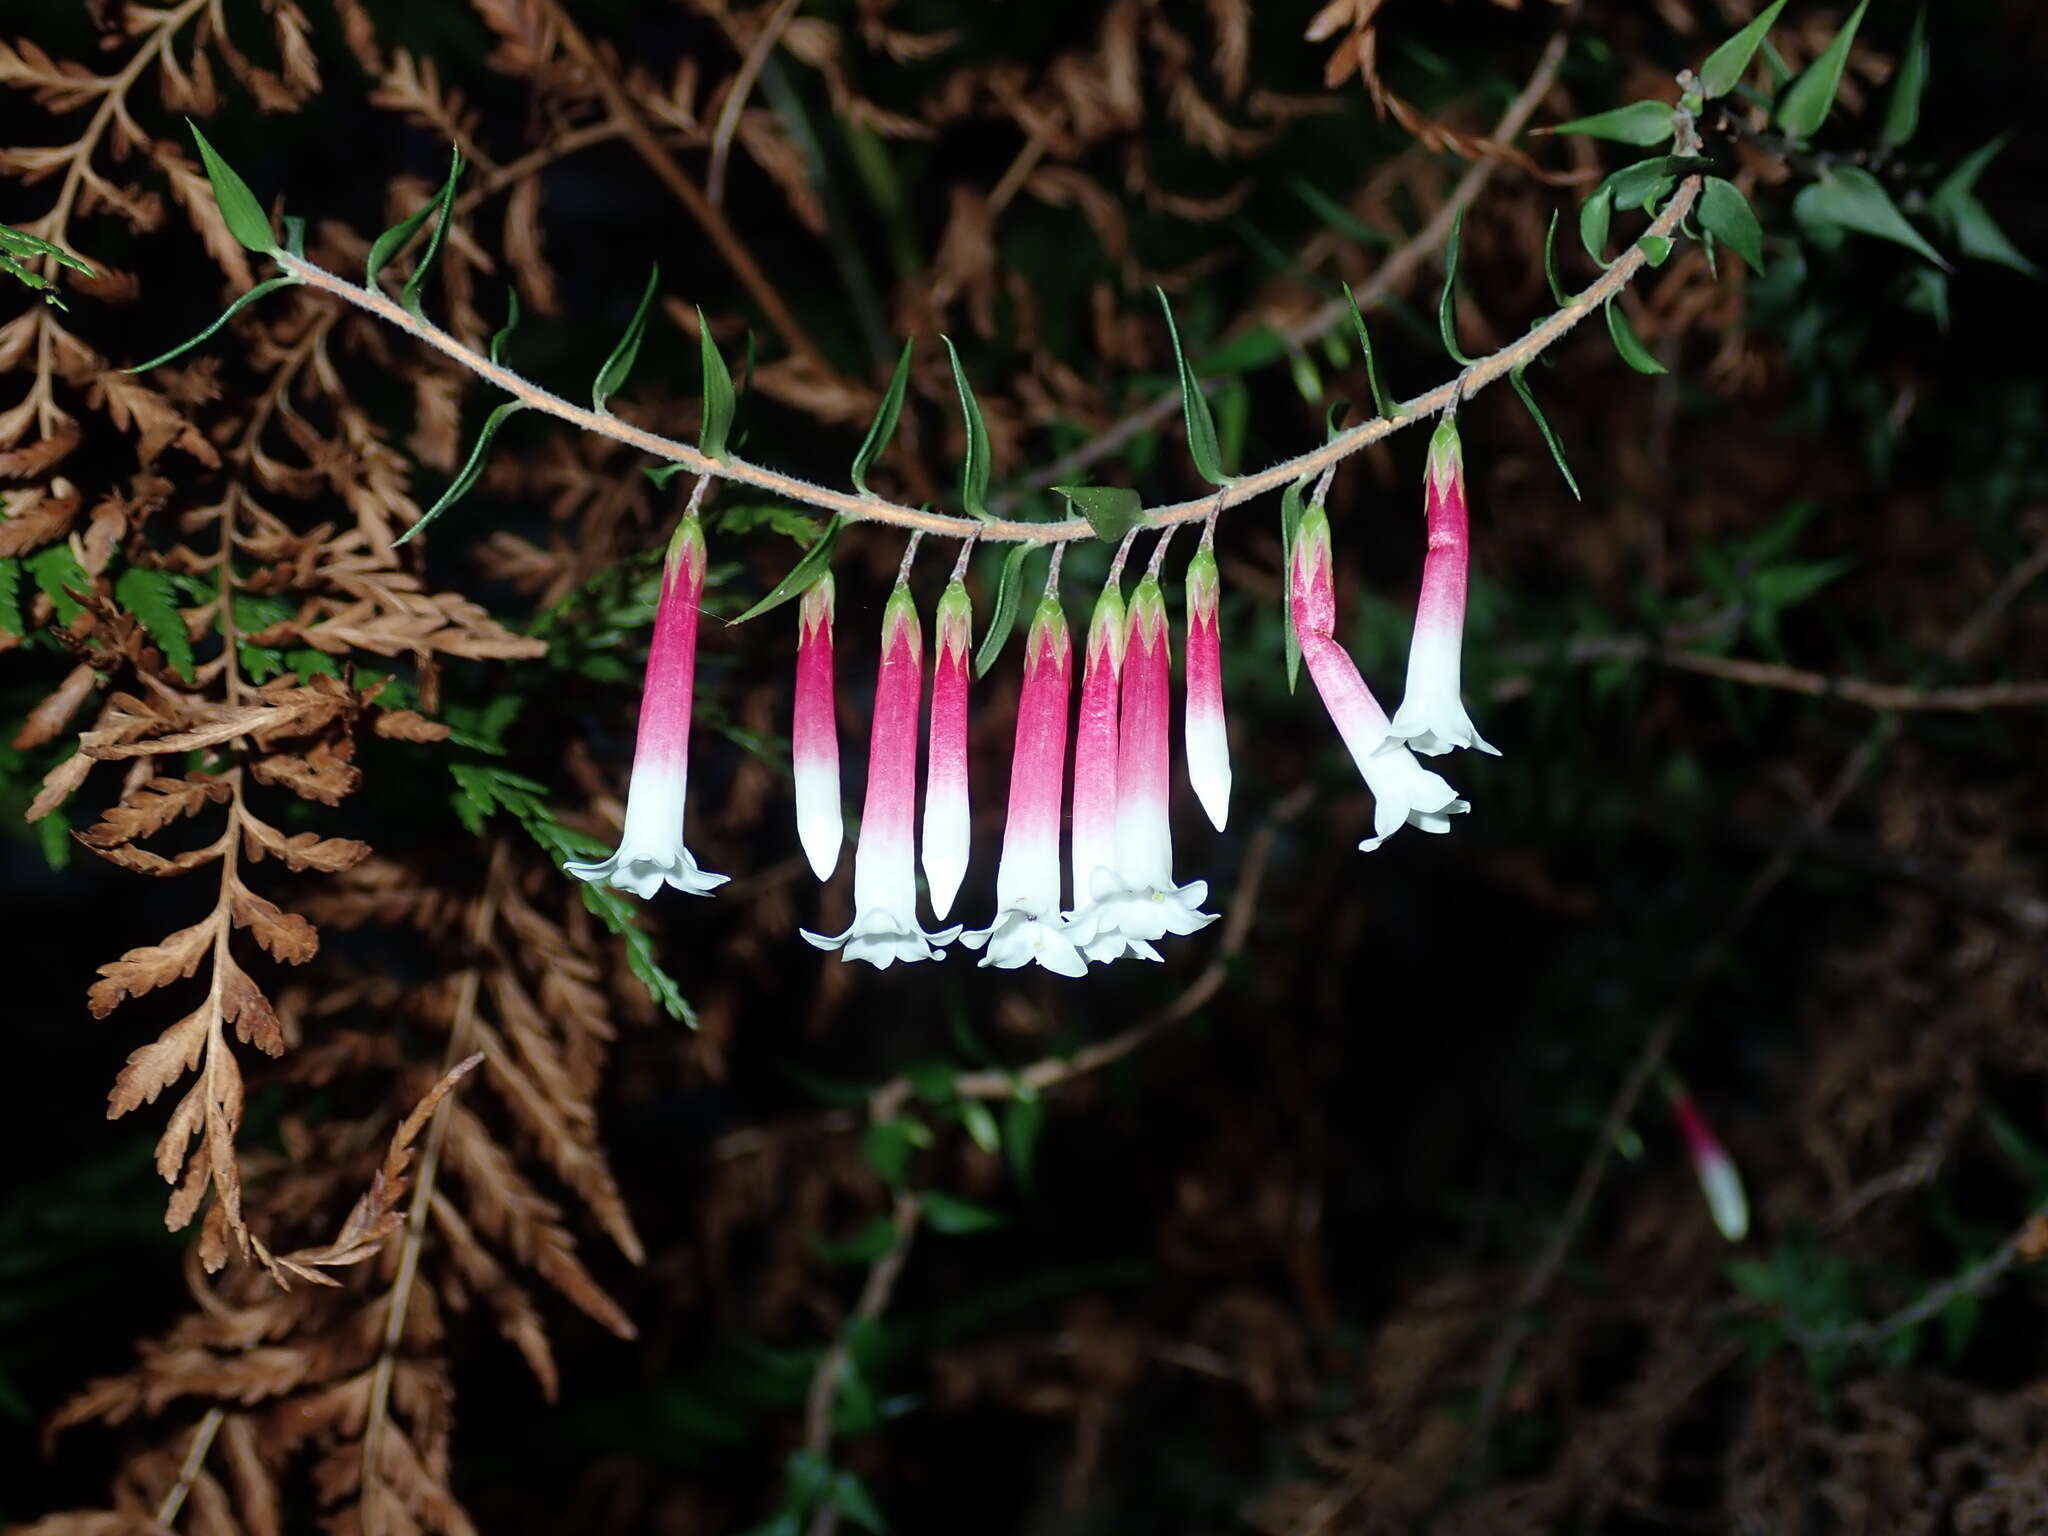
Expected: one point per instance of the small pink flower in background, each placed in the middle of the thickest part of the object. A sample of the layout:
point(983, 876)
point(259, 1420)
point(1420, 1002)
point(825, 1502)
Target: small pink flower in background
point(1093, 855)
point(1404, 792)
point(1208, 744)
point(1138, 902)
point(946, 828)
point(885, 925)
point(651, 852)
point(1028, 928)
point(1432, 718)
point(814, 736)
point(1720, 1181)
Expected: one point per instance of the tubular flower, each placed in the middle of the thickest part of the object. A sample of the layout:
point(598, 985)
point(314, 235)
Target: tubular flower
point(1719, 1180)
point(1138, 901)
point(885, 926)
point(945, 785)
point(1095, 778)
point(1404, 792)
point(1208, 744)
point(1432, 718)
point(651, 851)
point(1028, 928)
point(814, 735)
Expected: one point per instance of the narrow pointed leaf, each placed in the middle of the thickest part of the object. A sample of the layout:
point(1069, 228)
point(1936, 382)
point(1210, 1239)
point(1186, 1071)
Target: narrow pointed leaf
point(1446, 304)
point(393, 240)
point(1979, 236)
point(612, 376)
point(1726, 215)
point(1642, 123)
point(1628, 343)
point(244, 216)
point(974, 465)
point(1962, 181)
point(268, 285)
point(503, 336)
point(1902, 110)
point(460, 486)
point(19, 242)
point(1549, 437)
point(1644, 184)
point(1202, 445)
point(1550, 263)
point(1112, 510)
point(1290, 524)
point(1809, 99)
point(1725, 65)
point(444, 210)
point(1595, 217)
point(1372, 366)
point(1852, 198)
point(813, 563)
point(718, 397)
point(1003, 617)
point(32, 278)
point(883, 427)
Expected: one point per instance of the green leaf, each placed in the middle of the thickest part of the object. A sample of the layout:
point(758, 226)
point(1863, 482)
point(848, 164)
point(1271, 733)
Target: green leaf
point(1643, 184)
point(10, 596)
point(393, 240)
point(954, 1216)
point(1641, 123)
point(888, 1145)
point(883, 427)
point(460, 486)
point(851, 1499)
point(1656, 249)
point(268, 285)
point(1290, 523)
point(1194, 405)
point(53, 834)
point(19, 242)
point(57, 572)
point(1808, 99)
point(621, 917)
point(1023, 1119)
point(1549, 437)
point(1337, 216)
point(1557, 292)
point(1725, 214)
point(503, 335)
point(718, 398)
point(1852, 198)
point(812, 564)
point(1979, 236)
point(1902, 110)
point(612, 376)
point(980, 1121)
point(1003, 617)
point(152, 596)
point(244, 216)
point(1962, 181)
point(1446, 316)
point(864, 1247)
point(33, 279)
point(1372, 367)
point(1724, 68)
point(444, 207)
point(974, 466)
point(1628, 343)
point(1595, 215)
point(1112, 510)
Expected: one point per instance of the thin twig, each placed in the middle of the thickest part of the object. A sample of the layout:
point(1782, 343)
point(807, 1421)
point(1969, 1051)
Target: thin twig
point(1393, 273)
point(2022, 1246)
point(736, 97)
point(857, 508)
point(195, 1458)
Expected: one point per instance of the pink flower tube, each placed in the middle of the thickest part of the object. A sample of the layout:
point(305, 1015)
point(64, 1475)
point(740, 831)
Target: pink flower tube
point(1432, 718)
point(1208, 743)
point(814, 735)
point(1138, 902)
point(1719, 1179)
point(1028, 928)
point(946, 824)
point(885, 926)
point(1404, 792)
point(651, 852)
point(1093, 844)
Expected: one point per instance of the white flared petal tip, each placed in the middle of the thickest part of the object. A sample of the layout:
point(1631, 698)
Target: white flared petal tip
point(1434, 731)
point(1018, 939)
point(882, 939)
point(1147, 913)
point(1108, 945)
point(643, 876)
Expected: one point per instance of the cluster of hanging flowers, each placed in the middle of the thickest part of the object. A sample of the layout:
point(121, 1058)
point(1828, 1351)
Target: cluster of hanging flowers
point(1117, 895)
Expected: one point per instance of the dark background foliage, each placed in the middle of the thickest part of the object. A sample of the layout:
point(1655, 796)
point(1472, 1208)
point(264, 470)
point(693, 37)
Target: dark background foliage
point(1272, 1270)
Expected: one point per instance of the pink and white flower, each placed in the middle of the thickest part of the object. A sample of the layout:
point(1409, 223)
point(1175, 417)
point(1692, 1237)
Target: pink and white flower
point(1404, 792)
point(1093, 844)
point(651, 852)
point(1138, 901)
point(814, 734)
point(1432, 718)
point(1208, 744)
point(946, 826)
point(885, 925)
point(1720, 1181)
point(1028, 928)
